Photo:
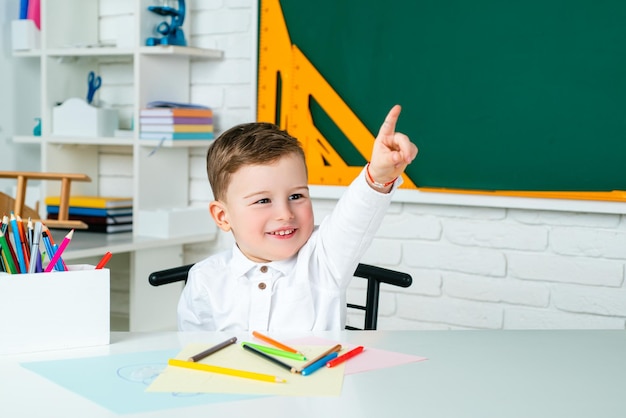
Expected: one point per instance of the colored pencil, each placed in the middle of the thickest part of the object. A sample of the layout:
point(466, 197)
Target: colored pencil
point(278, 352)
point(346, 356)
point(213, 349)
point(225, 370)
point(105, 259)
point(333, 349)
point(25, 242)
point(274, 342)
point(6, 254)
point(60, 264)
point(269, 358)
point(17, 243)
point(318, 364)
point(57, 253)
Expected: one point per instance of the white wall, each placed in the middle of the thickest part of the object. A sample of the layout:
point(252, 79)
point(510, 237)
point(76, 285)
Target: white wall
point(473, 267)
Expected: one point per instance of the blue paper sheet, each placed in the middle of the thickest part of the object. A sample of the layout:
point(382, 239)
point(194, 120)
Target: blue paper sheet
point(118, 382)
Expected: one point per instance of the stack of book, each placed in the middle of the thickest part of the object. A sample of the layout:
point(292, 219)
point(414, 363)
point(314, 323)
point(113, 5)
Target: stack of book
point(100, 213)
point(176, 123)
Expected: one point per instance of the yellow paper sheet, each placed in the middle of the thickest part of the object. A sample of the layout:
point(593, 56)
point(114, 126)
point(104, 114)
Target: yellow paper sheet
point(324, 382)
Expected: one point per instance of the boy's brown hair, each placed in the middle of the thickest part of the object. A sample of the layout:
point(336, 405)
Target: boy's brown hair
point(253, 143)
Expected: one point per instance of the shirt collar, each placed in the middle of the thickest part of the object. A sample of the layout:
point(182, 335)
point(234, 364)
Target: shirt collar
point(240, 264)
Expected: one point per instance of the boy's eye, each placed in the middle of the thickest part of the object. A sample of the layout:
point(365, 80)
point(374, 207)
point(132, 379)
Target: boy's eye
point(264, 200)
point(295, 196)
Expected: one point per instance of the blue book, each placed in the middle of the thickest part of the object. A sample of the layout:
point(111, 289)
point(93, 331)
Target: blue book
point(75, 210)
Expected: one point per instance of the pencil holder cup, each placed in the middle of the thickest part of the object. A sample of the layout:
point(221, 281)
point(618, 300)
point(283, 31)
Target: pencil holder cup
point(75, 117)
point(24, 35)
point(52, 311)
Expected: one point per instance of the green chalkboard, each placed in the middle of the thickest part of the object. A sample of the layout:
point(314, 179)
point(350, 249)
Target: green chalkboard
point(497, 94)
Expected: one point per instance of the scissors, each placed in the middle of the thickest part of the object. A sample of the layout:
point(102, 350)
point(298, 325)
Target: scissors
point(93, 84)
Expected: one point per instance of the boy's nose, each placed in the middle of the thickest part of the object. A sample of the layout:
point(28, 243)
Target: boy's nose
point(284, 212)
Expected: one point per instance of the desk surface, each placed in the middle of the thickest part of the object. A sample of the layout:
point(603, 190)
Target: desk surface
point(468, 374)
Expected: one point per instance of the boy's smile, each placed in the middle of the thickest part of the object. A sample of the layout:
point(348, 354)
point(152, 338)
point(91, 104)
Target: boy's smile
point(268, 209)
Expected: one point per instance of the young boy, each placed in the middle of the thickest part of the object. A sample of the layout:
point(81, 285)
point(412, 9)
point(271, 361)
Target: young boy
point(283, 273)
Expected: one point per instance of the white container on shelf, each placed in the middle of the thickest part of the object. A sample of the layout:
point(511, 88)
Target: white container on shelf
point(25, 35)
point(74, 117)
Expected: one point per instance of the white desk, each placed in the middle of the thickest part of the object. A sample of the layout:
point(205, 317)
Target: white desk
point(483, 374)
point(150, 308)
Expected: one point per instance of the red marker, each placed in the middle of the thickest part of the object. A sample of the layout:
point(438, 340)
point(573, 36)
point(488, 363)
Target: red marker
point(104, 260)
point(345, 357)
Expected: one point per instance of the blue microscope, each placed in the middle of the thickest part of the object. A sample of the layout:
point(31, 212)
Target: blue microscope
point(173, 31)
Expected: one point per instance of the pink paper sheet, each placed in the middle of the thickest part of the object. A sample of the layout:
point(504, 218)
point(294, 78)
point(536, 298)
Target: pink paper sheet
point(369, 359)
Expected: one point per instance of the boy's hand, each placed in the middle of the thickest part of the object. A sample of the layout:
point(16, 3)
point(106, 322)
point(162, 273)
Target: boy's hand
point(392, 151)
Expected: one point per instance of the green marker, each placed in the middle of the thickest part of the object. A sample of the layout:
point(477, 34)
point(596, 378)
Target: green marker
point(276, 351)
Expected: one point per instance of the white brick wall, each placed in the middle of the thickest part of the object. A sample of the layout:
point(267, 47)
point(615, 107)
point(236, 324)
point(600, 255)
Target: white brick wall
point(473, 267)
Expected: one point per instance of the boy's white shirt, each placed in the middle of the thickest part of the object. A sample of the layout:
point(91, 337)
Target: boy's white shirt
point(229, 292)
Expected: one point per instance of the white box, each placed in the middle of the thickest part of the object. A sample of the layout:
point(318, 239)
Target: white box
point(74, 117)
point(57, 310)
point(171, 223)
point(24, 35)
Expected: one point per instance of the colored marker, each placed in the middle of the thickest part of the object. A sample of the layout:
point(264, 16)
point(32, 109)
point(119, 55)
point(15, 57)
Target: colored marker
point(274, 342)
point(335, 349)
point(318, 364)
point(277, 352)
point(57, 253)
point(346, 356)
point(225, 370)
point(17, 240)
point(105, 259)
point(268, 358)
point(34, 249)
point(46, 242)
point(213, 349)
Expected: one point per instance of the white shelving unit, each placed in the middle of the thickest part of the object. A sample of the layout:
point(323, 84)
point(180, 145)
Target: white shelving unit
point(69, 50)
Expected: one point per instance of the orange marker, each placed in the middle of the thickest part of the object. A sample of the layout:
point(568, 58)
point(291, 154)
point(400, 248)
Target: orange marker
point(105, 259)
point(345, 356)
point(275, 343)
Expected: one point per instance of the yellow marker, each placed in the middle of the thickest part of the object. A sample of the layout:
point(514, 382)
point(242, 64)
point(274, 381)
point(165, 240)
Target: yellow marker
point(225, 370)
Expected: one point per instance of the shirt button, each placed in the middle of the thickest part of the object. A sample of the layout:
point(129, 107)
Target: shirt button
point(262, 285)
point(264, 269)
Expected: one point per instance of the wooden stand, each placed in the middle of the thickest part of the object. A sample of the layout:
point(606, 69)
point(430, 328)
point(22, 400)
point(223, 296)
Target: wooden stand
point(66, 183)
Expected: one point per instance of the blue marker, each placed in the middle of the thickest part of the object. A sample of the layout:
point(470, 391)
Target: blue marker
point(23, 9)
point(318, 364)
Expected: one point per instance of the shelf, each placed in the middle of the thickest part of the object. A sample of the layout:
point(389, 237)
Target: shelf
point(188, 51)
point(25, 139)
point(113, 52)
point(31, 53)
point(135, 75)
point(198, 143)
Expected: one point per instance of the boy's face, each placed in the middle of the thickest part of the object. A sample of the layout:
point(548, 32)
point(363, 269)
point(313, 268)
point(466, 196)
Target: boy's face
point(268, 209)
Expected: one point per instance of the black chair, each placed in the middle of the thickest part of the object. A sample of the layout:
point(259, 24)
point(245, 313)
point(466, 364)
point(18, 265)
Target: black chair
point(373, 274)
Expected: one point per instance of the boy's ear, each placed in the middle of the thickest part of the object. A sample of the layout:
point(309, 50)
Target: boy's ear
point(218, 213)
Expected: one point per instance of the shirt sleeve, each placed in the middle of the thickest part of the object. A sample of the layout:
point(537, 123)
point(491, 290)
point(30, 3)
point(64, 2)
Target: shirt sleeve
point(194, 313)
point(346, 234)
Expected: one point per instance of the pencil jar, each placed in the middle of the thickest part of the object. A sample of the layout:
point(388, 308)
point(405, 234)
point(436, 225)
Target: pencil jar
point(58, 310)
